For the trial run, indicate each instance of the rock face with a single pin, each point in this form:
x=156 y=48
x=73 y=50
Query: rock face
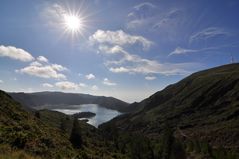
x=49 y=100
x=203 y=106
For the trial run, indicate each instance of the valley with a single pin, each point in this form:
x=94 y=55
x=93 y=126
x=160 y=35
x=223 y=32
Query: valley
x=195 y=118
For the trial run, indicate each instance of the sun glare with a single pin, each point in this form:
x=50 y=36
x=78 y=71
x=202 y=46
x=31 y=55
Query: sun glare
x=73 y=23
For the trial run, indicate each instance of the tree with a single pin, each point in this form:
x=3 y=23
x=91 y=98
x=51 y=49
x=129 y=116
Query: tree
x=64 y=126
x=75 y=137
x=37 y=114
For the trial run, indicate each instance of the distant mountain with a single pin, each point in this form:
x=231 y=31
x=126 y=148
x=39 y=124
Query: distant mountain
x=48 y=100
x=202 y=112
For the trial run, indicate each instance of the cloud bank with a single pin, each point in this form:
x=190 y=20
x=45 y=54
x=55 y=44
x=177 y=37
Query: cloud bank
x=113 y=42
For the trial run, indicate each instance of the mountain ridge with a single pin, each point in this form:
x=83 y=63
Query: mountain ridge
x=44 y=100
x=203 y=106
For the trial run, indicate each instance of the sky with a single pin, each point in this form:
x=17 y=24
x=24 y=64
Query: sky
x=127 y=49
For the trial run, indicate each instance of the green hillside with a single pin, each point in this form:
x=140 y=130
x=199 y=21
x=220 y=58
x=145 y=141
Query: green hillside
x=20 y=130
x=200 y=109
x=47 y=134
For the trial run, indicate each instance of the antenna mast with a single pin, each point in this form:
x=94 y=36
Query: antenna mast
x=232 y=59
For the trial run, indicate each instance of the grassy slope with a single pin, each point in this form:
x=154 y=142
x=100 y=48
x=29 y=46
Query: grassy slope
x=21 y=130
x=94 y=145
x=46 y=134
x=203 y=106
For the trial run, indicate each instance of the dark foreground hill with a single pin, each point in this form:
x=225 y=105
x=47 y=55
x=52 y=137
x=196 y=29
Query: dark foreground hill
x=198 y=115
x=48 y=100
x=48 y=135
x=22 y=131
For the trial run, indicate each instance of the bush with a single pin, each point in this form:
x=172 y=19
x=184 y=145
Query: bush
x=75 y=137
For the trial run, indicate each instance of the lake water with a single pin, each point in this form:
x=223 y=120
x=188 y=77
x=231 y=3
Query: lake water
x=102 y=114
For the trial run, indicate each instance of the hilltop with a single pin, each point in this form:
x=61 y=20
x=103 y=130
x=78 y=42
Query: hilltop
x=202 y=108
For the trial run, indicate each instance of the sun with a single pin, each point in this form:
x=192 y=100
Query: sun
x=73 y=23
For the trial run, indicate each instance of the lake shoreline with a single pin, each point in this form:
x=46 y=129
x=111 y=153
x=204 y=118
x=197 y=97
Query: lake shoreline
x=101 y=116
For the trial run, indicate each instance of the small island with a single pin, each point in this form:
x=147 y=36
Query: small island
x=84 y=115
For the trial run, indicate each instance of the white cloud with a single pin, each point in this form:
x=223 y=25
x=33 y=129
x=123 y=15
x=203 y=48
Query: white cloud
x=150 y=78
x=1 y=82
x=66 y=85
x=118 y=37
x=169 y=20
x=42 y=71
x=125 y=55
x=47 y=85
x=111 y=44
x=138 y=23
x=94 y=88
x=90 y=76
x=54 y=14
x=110 y=50
x=207 y=33
x=141 y=15
x=107 y=82
x=15 y=53
x=35 y=63
x=144 y=5
x=153 y=67
x=119 y=70
x=82 y=85
x=42 y=59
x=130 y=63
x=180 y=50
x=168 y=23
x=58 y=67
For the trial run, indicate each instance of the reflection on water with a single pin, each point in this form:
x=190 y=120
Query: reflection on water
x=102 y=114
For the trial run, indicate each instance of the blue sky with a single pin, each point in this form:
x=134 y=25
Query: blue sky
x=126 y=49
